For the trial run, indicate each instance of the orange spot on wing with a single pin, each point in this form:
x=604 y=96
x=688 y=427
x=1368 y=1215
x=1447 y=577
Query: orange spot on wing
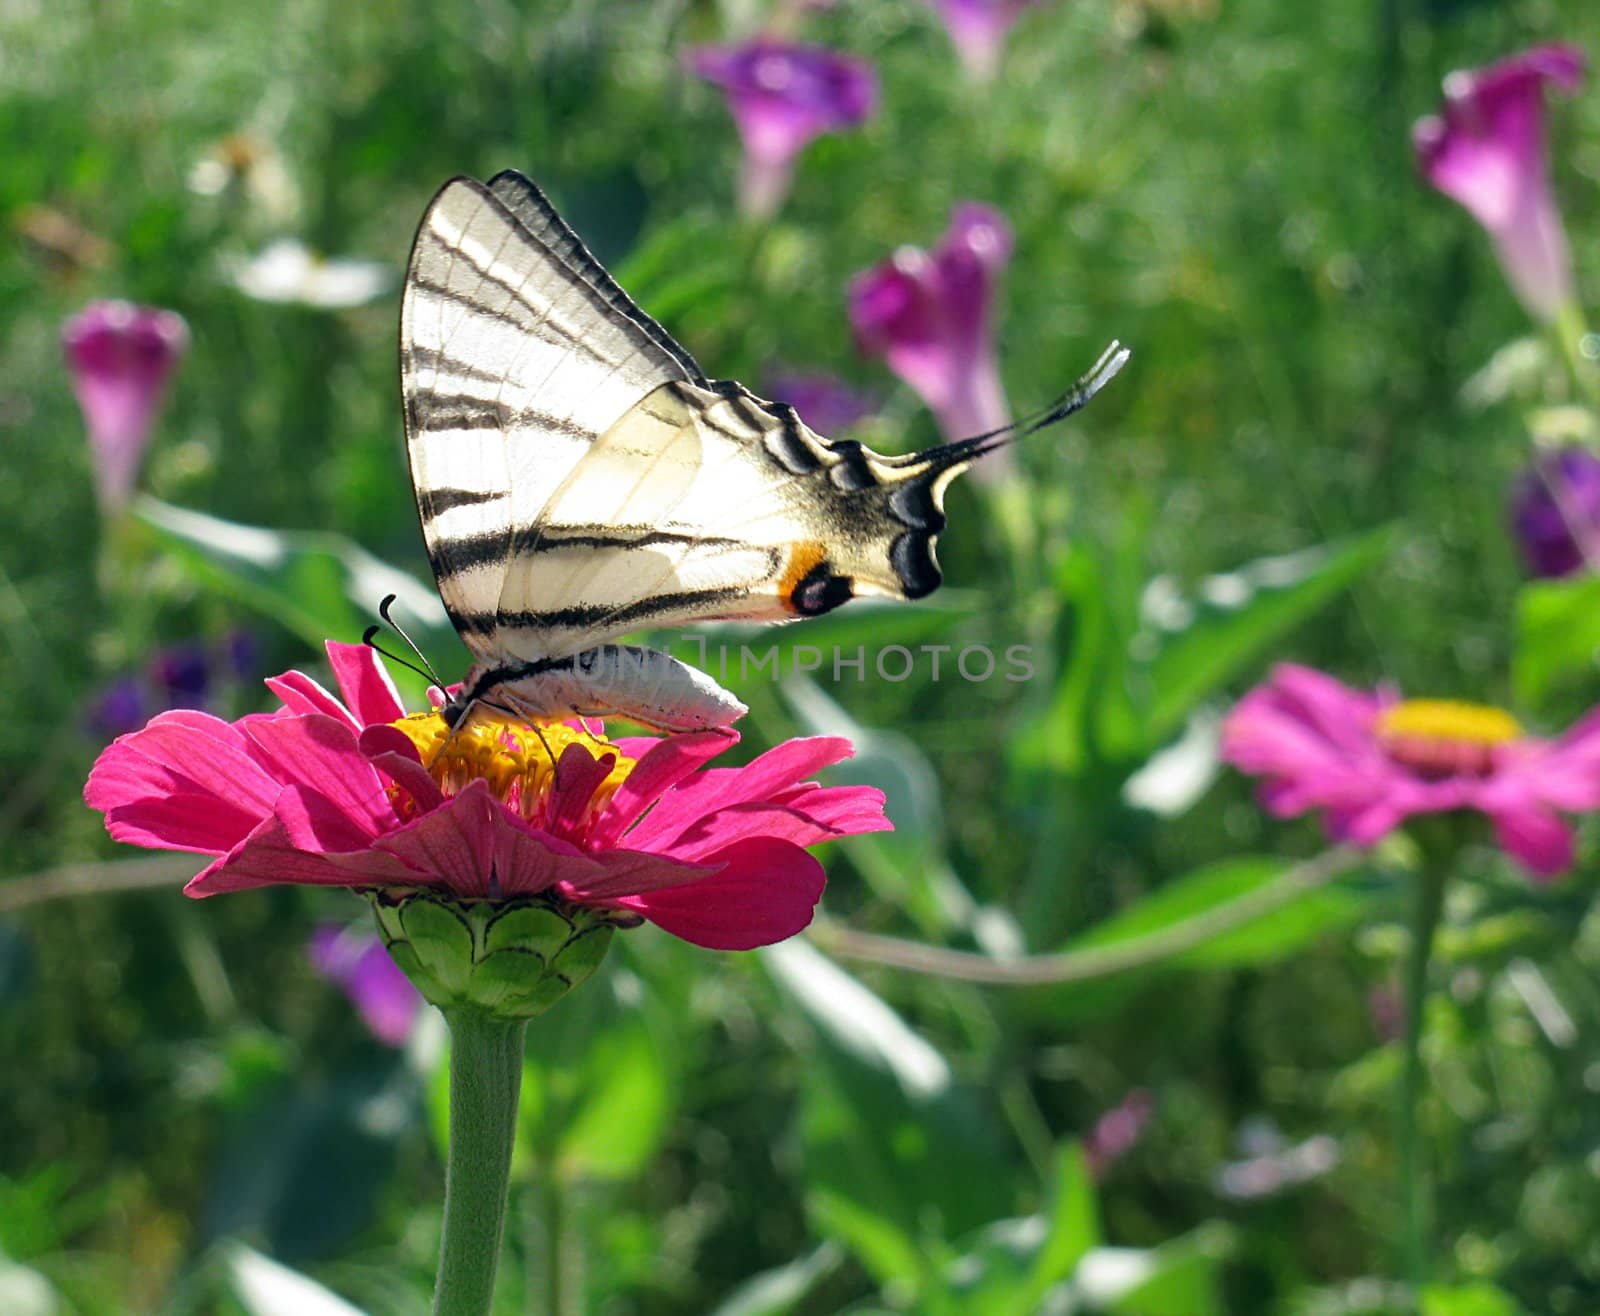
x=804 y=558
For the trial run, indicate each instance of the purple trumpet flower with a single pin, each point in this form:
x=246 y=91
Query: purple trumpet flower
x=826 y=403
x=1555 y=513
x=358 y=962
x=1487 y=150
x=928 y=315
x=978 y=30
x=783 y=95
x=121 y=357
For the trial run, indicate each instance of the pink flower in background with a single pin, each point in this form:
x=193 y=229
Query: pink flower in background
x=782 y=95
x=979 y=28
x=121 y=357
x=359 y=963
x=825 y=403
x=1369 y=761
x=1555 y=513
x=1487 y=151
x=331 y=793
x=929 y=315
x=1115 y=1132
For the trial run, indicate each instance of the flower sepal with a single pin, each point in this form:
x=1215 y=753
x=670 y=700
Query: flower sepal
x=512 y=959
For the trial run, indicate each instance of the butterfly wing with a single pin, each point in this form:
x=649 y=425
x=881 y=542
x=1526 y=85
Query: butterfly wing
x=518 y=352
x=577 y=477
x=706 y=503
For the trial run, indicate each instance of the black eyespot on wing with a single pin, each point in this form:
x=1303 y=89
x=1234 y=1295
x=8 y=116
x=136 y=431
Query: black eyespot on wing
x=821 y=591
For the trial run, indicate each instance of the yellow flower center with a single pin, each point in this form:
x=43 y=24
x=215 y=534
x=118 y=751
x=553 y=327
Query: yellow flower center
x=517 y=760
x=1445 y=737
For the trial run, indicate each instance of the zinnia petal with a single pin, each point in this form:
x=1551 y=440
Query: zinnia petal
x=1536 y=837
x=480 y=850
x=365 y=683
x=661 y=765
x=320 y=754
x=720 y=788
x=182 y=751
x=766 y=891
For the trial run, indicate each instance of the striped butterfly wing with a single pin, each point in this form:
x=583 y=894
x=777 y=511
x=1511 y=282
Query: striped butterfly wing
x=517 y=353
x=578 y=477
x=705 y=502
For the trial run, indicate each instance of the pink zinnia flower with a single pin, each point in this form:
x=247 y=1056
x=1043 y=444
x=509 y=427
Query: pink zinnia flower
x=782 y=95
x=928 y=314
x=361 y=964
x=1369 y=761
x=978 y=29
x=1487 y=150
x=121 y=357
x=358 y=794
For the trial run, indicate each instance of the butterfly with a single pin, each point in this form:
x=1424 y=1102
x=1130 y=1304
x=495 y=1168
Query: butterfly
x=579 y=477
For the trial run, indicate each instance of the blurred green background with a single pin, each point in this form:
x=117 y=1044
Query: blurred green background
x=1225 y=185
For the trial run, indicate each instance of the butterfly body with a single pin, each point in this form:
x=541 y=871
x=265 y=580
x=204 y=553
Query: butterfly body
x=644 y=685
x=578 y=477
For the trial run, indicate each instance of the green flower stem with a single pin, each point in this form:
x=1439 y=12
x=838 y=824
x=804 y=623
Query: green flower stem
x=485 y=1074
x=554 y=1204
x=1415 y=1194
x=1570 y=329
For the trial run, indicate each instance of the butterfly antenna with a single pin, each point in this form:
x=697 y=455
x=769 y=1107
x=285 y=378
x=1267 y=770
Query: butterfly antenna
x=398 y=629
x=367 y=638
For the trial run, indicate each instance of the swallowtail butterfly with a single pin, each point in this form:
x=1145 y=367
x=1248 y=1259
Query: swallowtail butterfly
x=579 y=477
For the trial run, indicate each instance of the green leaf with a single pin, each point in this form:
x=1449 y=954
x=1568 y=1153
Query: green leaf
x=1480 y=1299
x=600 y=1085
x=778 y=1291
x=898 y=1158
x=268 y=1288
x=1063 y=739
x=1557 y=637
x=881 y=1245
x=1207 y=892
x=1238 y=616
x=1181 y=1278
x=320 y=586
x=627 y=1105
x=1074 y=1220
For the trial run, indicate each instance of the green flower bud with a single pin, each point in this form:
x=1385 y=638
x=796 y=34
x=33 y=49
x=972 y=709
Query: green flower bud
x=512 y=959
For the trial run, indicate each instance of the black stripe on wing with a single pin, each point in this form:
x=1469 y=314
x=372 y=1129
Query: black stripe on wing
x=466 y=552
x=522 y=198
x=582 y=616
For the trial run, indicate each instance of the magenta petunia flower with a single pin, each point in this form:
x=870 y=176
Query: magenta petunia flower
x=827 y=404
x=782 y=95
x=1555 y=513
x=978 y=29
x=928 y=314
x=1369 y=761
x=1487 y=151
x=358 y=794
x=121 y=357
x=360 y=964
